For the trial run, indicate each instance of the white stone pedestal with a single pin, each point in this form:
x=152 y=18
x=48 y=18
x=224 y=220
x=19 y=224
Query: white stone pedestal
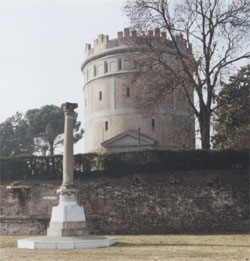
x=67 y=219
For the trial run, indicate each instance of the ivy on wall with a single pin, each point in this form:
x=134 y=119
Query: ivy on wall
x=119 y=164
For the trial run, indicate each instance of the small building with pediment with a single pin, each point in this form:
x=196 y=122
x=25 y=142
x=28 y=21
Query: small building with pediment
x=129 y=140
x=112 y=121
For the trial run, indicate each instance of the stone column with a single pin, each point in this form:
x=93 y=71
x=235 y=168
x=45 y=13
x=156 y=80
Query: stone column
x=68 y=218
x=68 y=163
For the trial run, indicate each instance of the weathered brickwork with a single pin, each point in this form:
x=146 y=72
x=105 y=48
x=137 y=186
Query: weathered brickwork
x=173 y=202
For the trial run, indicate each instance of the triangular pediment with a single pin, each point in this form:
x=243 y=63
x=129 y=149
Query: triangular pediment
x=129 y=138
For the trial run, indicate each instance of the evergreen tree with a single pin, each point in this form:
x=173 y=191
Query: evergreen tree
x=232 y=116
x=38 y=131
x=46 y=125
x=14 y=137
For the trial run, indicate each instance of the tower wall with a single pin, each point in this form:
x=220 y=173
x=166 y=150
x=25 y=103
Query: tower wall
x=111 y=117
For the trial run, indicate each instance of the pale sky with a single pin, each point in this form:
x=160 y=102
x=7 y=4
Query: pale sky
x=42 y=48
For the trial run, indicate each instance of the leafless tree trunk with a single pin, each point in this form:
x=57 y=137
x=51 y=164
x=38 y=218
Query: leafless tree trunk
x=217 y=36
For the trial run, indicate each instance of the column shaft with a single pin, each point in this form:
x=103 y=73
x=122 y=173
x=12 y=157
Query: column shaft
x=68 y=150
x=68 y=156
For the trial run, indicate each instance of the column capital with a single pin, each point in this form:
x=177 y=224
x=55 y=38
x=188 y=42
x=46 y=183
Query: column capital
x=69 y=107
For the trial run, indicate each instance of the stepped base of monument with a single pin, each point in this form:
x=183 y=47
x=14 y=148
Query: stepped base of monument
x=67 y=229
x=47 y=242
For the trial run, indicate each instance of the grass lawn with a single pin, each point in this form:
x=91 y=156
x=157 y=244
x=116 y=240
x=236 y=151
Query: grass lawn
x=144 y=247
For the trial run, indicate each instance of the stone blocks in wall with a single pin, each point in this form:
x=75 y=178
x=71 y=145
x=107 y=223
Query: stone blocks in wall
x=158 y=203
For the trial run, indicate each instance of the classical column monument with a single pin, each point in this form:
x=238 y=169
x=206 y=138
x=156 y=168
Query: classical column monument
x=67 y=218
x=67 y=228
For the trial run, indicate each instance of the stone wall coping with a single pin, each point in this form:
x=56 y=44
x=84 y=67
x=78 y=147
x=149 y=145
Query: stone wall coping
x=45 y=217
x=18 y=187
x=30 y=217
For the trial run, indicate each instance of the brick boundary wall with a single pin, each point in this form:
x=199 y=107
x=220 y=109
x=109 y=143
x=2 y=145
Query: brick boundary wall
x=181 y=202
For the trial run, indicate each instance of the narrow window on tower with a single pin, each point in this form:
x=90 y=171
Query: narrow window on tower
x=153 y=124
x=94 y=71
x=100 y=96
x=106 y=125
x=128 y=91
x=119 y=64
x=105 y=67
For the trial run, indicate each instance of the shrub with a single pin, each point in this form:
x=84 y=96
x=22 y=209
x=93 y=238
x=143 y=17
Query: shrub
x=118 y=164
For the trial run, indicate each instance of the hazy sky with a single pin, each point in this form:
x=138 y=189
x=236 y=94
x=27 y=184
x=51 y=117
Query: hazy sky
x=42 y=47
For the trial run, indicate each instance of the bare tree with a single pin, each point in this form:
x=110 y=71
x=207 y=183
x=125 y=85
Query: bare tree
x=216 y=34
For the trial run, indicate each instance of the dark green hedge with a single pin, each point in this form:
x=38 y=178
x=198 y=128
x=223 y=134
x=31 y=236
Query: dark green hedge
x=118 y=164
x=31 y=167
x=159 y=160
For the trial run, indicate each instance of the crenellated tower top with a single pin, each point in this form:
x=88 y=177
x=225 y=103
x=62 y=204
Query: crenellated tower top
x=129 y=37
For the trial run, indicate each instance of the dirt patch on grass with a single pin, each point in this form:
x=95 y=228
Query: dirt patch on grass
x=144 y=247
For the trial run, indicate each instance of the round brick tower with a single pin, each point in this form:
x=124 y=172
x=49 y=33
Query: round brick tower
x=112 y=121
